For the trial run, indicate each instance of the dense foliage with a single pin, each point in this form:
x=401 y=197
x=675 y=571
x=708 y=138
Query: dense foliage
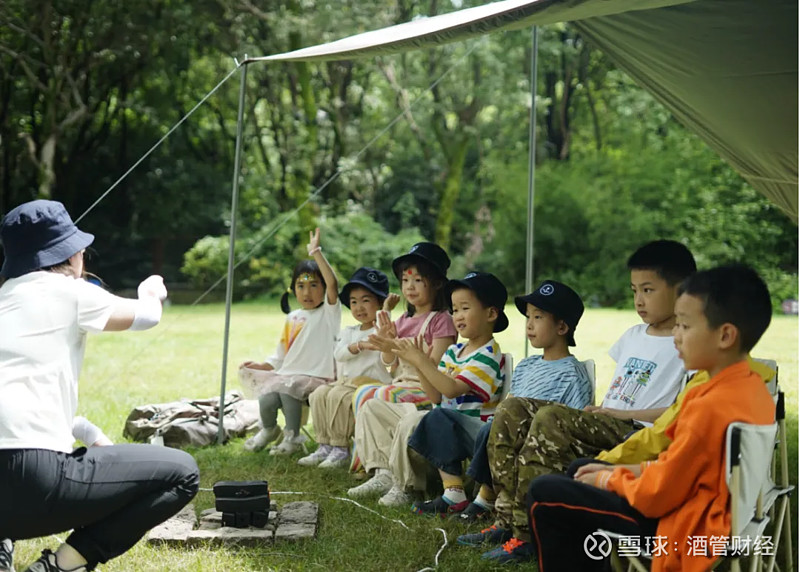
x=87 y=89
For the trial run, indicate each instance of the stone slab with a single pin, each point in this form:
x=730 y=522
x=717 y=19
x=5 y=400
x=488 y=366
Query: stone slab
x=295 y=532
x=227 y=536
x=300 y=512
x=176 y=529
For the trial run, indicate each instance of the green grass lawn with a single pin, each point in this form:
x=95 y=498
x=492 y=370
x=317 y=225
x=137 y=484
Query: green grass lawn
x=182 y=358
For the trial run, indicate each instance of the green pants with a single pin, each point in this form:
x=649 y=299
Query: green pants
x=530 y=438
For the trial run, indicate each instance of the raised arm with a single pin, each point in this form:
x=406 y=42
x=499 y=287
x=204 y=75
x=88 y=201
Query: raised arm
x=315 y=251
x=141 y=314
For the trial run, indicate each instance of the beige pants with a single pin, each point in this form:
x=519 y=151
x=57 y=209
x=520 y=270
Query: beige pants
x=382 y=432
x=332 y=411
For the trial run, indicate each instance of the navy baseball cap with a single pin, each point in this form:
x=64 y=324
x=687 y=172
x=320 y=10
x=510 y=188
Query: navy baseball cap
x=373 y=280
x=489 y=290
x=39 y=234
x=558 y=299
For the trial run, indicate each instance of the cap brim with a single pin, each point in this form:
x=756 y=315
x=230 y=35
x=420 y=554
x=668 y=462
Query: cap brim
x=414 y=256
x=14 y=267
x=344 y=295
x=501 y=323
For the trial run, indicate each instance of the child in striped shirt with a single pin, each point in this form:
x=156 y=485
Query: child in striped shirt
x=467 y=384
x=553 y=311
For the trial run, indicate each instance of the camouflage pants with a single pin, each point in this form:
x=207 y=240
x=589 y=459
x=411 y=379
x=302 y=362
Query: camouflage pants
x=530 y=438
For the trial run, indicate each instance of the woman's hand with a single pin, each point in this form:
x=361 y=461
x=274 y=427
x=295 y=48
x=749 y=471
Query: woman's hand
x=152 y=287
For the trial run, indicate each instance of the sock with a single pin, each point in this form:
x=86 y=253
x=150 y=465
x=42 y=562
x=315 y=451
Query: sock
x=68 y=558
x=486 y=497
x=382 y=472
x=453 y=490
x=324 y=450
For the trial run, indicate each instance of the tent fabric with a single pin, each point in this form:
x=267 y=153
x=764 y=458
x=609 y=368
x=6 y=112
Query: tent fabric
x=727 y=69
x=464 y=24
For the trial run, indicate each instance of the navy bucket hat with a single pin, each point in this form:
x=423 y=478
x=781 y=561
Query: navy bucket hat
x=373 y=280
x=37 y=235
x=429 y=252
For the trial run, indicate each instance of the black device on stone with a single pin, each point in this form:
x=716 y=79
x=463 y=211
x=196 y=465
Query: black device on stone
x=242 y=503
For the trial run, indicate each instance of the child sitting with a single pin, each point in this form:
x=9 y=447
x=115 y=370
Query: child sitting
x=356 y=364
x=304 y=358
x=721 y=314
x=422 y=273
x=553 y=311
x=467 y=381
x=646 y=381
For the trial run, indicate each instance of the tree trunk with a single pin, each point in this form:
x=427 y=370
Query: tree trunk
x=450 y=191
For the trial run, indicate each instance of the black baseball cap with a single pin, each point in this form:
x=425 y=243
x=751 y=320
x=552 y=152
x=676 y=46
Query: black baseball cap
x=558 y=299
x=489 y=290
x=373 y=280
x=429 y=252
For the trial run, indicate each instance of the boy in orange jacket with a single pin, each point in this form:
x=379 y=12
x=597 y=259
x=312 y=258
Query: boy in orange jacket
x=721 y=314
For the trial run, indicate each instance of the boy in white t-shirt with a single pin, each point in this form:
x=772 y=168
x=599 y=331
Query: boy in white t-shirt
x=646 y=381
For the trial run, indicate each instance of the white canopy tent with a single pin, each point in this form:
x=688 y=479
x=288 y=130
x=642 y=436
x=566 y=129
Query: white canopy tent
x=727 y=69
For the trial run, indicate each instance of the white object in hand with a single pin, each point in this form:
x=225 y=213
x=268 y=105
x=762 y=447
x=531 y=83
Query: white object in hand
x=152 y=287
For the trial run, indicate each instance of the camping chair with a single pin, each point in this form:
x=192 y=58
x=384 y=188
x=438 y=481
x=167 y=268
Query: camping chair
x=748 y=450
x=591 y=372
x=508 y=370
x=777 y=491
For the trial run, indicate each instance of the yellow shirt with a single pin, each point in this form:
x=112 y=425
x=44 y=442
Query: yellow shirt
x=647 y=443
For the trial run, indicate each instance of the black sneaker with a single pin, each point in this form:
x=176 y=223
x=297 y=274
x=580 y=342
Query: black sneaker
x=6 y=555
x=473 y=513
x=47 y=563
x=439 y=507
x=492 y=535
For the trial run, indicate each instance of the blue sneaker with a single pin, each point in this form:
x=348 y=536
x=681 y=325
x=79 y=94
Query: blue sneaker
x=515 y=551
x=492 y=535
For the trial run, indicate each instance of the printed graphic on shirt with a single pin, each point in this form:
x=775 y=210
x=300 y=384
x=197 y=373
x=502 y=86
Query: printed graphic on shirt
x=626 y=387
x=292 y=329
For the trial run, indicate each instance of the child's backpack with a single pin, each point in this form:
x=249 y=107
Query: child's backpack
x=191 y=422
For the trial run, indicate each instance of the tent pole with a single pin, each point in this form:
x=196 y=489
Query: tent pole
x=531 y=167
x=229 y=286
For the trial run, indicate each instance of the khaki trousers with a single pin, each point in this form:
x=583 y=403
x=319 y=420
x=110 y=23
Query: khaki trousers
x=382 y=432
x=332 y=411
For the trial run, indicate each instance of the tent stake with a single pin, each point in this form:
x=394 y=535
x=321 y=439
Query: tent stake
x=229 y=285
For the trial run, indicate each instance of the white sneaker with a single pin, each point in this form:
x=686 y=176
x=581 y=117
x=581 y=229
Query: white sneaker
x=291 y=444
x=396 y=497
x=316 y=457
x=339 y=457
x=263 y=438
x=377 y=485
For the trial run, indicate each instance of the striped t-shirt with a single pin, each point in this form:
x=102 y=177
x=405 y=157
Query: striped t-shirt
x=561 y=380
x=482 y=371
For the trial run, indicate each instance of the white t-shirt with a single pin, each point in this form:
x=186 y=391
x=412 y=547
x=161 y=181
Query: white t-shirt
x=367 y=363
x=648 y=372
x=307 y=341
x=45 y=317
